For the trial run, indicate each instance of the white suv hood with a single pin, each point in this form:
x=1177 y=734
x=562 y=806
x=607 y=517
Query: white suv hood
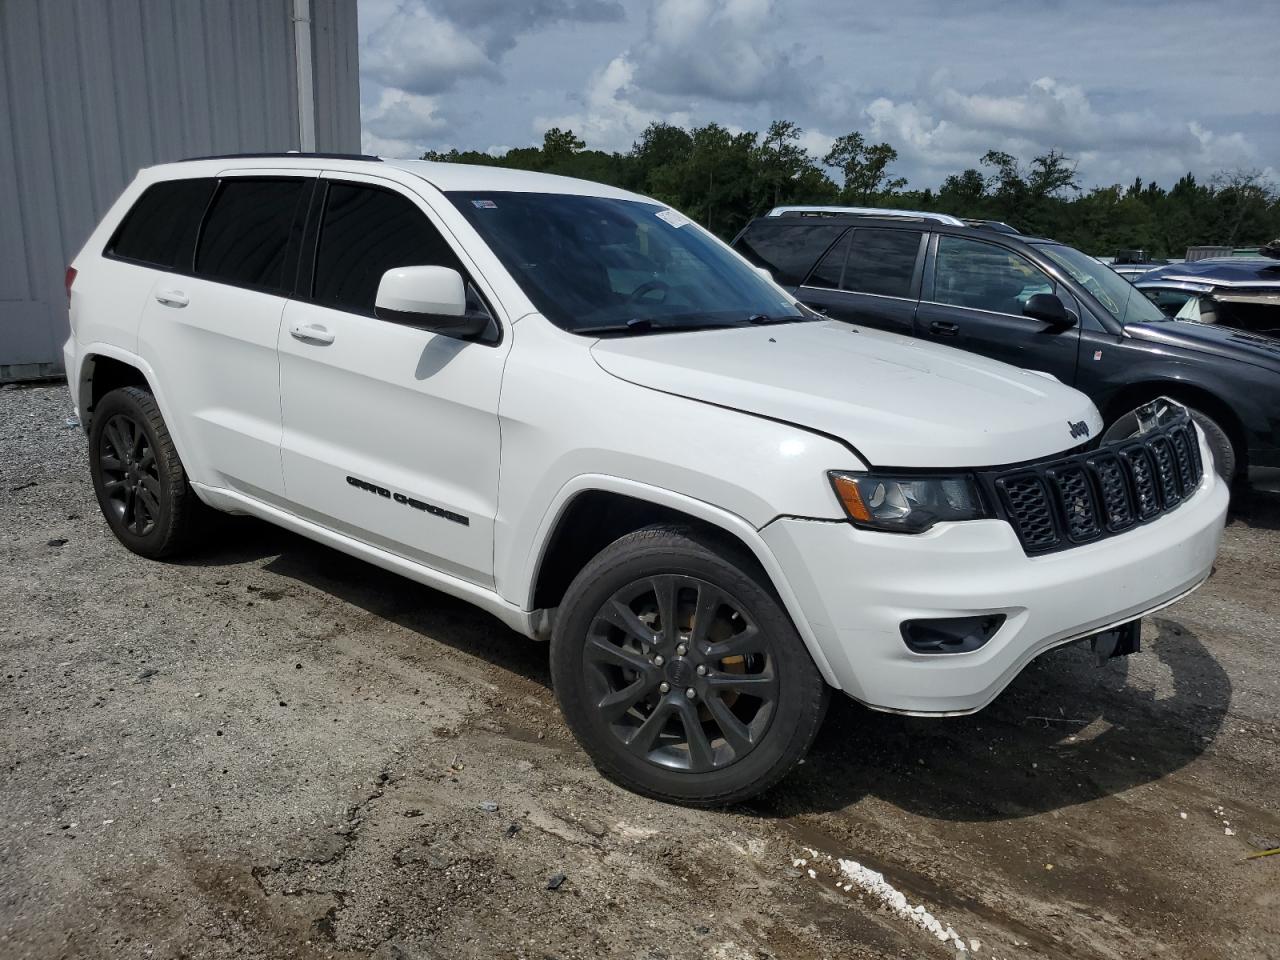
x=897 y=401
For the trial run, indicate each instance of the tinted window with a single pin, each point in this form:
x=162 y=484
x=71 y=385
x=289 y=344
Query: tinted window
x=882 y=262
x=830 y=271
x=161 y=228
x=785 y=248
x=623 y=265
x=985 y=277
x=365 y=233
x=245 y=235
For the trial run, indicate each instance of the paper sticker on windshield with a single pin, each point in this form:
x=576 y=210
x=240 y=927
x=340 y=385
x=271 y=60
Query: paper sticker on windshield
x=673 y=218
x=484 y=204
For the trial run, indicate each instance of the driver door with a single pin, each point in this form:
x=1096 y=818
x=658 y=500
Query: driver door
x=390 y=433
x=973 y=296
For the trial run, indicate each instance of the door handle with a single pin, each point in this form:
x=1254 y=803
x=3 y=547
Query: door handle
x=172 y=298
x=940 y=328
x=310 y=332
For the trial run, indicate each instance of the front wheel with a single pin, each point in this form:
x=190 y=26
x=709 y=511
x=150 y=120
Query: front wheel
x=679 y=672
x=1224 y=453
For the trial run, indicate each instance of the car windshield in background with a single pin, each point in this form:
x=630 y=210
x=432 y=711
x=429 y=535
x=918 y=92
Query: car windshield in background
x=598 y=264
x=1120 y=297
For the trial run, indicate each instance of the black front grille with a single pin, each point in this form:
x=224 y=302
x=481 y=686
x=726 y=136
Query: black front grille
x=1096 y=494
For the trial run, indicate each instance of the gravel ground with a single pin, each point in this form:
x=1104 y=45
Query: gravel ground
x=271 y=750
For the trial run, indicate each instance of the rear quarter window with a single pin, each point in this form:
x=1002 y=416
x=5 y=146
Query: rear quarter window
x=160 y=228
x=785 y=248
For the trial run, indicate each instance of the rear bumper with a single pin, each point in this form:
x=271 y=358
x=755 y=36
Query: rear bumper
x=856 y=587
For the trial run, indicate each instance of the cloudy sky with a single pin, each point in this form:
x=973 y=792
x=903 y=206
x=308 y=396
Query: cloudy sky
x=1151 y=88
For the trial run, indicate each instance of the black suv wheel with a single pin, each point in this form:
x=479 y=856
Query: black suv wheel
x=137 y=476
x=680 y=673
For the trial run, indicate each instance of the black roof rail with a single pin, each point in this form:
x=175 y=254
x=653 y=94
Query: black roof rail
x=295 y=154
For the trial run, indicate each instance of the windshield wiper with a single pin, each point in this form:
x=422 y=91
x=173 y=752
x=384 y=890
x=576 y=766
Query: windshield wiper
x=638 y=325
x=763 y=319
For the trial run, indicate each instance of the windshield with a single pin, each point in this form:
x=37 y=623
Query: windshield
x=596 y=264
x=1120 y=297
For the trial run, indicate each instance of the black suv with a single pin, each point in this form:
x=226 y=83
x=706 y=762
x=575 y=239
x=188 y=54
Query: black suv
x=1033 y=303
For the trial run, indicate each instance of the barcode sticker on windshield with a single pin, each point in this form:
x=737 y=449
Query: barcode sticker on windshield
x=673 y=218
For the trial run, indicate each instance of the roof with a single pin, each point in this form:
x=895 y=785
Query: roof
x=444 y=176
x=1218 y=272
x=467 y=176
x=885 y=212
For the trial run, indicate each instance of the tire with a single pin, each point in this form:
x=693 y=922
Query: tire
x=141 y=485
x=1224 y=452
x=755 y=709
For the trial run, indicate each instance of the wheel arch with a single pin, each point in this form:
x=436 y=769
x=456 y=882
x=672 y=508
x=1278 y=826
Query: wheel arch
x=592 y=512
x=1203 y=399
x=103 y=368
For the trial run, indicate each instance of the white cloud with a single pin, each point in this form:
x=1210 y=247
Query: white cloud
x=401 y=124
x=417 y=51
x=944 y=129
x=721 y=49
x=609 y=118
x=492 y=71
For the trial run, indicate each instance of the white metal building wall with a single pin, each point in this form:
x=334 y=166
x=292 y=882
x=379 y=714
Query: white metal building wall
x=93 y=90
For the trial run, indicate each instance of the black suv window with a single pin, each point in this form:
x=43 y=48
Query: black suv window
x=246 y=232
x=367 y=231
x=869 y=260
x=160 y=229
x=882 y=262
x=983 y=276
x=785 y=248
x=830 y=269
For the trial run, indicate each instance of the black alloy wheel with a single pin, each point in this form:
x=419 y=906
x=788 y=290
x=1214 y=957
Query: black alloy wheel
x=678 y=673
x=130 y=475
x=139 y=480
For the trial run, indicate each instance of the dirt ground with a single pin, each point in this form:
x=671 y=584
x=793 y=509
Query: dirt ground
x=271 y=750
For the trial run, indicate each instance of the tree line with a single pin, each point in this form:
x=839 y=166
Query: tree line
x=724 y=179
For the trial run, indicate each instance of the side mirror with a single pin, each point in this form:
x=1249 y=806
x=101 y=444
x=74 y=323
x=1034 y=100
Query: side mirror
x=1049 y=308
x=429 y=298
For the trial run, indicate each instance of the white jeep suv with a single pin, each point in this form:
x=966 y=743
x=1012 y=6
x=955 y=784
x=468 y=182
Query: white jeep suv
x=577 y=409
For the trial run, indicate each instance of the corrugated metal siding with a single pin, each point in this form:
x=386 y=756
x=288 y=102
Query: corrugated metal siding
x=336 y=58
x=92 y=91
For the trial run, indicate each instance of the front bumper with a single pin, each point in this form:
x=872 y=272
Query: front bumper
x=855 y=587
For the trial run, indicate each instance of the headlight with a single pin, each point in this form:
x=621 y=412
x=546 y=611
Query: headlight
x=907 y=504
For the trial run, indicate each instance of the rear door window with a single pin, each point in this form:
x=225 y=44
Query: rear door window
x=829 y=273
x=367 y=231
x=160 y=229
x=983 y=276
x=786 y=248
x=246 y=232
x=882 y=262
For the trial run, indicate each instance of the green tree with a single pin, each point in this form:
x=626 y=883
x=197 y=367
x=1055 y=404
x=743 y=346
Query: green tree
x=781 y=160
x=864 y=168
x=723 y=179
x=560 y=144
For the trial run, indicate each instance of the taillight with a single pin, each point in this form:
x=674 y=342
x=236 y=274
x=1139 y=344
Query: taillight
x=71 y=278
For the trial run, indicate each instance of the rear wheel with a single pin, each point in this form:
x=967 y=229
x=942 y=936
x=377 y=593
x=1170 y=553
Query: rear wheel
x=141 y=485
x=1224 y=453
x=680 y=673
